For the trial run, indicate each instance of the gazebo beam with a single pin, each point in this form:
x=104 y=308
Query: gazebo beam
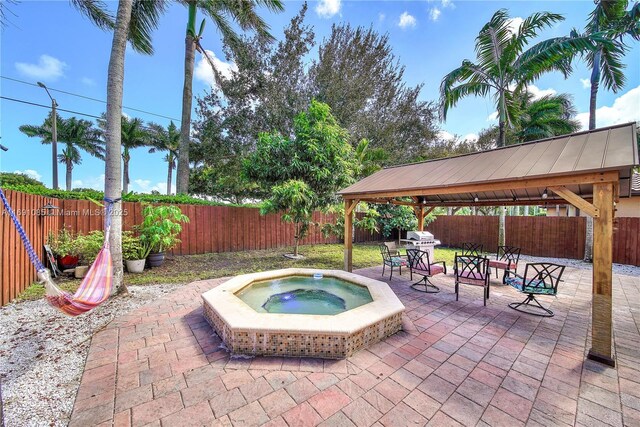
x=601 y=307
x=576 y=201
x=515 y=184
x=524 y=202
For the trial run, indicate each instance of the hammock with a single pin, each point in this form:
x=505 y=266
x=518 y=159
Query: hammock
x=95 y=287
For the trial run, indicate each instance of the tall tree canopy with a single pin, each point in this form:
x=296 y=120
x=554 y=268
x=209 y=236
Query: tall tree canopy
x=303 y=173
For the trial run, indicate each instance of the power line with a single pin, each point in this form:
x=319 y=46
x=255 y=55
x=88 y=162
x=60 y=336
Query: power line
x=48 y=107
x=90 y=98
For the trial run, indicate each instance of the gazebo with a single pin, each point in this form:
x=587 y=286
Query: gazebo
x=590 y=170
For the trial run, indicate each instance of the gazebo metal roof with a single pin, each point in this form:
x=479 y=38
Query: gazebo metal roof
x=454 y=181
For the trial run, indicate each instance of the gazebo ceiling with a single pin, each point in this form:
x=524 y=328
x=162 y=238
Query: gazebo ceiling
x=516 y=174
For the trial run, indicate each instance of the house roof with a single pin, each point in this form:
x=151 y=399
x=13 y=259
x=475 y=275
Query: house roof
x=612 y=148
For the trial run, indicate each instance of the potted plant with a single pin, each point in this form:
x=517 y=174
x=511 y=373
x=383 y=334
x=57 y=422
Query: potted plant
x=62 y=246
x=134 y=252
x=87 y=247
x=159 y=230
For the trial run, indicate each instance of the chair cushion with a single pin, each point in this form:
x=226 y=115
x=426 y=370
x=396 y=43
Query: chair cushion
x=397 y=262
x=532 y=286
x=435 y=269
x=472 y=278
x=501 y=264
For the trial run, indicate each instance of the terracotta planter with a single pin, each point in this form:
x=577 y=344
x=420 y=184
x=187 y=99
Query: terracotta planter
x=135 y=266
x=81 y=271
x=67 y=262
x=155 y=260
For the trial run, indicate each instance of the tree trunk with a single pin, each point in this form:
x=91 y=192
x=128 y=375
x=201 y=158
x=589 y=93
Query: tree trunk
x=113 y=158
x=125 y=174
x=595 y=84
x=169 y=177
x=69 y=165
x=502 y=118
x=182 y=176
x=296 y=241
x=501 y=228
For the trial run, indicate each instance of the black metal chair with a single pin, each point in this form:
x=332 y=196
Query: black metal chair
x=391 y=261
x=420 y=264
x=473 y=249
x=540 y=278
x=471 y=270
x=507 y=259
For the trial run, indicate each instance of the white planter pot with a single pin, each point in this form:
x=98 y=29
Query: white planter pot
x=135 y=266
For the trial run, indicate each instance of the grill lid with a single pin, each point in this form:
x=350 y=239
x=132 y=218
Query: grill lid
x=419 y=235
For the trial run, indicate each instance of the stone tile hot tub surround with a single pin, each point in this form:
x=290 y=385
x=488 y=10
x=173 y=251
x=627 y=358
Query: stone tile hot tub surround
x=245 y=331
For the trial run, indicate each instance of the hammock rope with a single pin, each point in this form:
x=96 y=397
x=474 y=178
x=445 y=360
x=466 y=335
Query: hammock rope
x=96 y=285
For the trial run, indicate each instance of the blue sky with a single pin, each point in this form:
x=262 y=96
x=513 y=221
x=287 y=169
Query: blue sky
x=50 y=42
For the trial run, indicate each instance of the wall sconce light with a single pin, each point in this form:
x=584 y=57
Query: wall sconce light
x=475 y=199
x=545 y=194
x=48 y=210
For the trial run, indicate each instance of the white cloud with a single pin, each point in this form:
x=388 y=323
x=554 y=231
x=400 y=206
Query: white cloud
x=204 y=73
x=447 y=3
x=147 y=186
x=492 y=117
x=95 y=182
x=434 y=14
x=328 y=8
x=407 y=21
x=30 y=173
x=470 y=137
x=514 y=24
x=87 y=81
x=586 y=83
x=539 y=93
x=625 y=109
x=445 y=136
x=381 y=17
x=48 y=68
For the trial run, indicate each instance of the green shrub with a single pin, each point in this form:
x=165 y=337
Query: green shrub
x=87 y=246
x=62 y=243
x=8 y=179
x=133 y=248
x=160 y=227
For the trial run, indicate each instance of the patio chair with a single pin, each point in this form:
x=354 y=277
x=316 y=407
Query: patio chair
x=420 y=264
x=507 y=259
x=391 y=261
x=540 y=278
x=471 y=270
x=393 y=248
x=474 y=249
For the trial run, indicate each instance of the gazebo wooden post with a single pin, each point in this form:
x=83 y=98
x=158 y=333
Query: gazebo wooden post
x=349 y=206
x=601 y=315
x=420 y=214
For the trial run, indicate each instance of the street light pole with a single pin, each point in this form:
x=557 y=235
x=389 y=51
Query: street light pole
x=54 y=137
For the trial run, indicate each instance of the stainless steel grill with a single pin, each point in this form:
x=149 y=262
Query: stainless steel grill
x=422 y=240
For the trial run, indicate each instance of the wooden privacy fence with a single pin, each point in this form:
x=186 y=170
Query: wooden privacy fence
x=211 y=229
x=561 y=237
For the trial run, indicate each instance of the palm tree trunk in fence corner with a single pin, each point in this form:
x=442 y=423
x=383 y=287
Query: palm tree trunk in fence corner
x=169 y=178
x=113 y=158
x=69 y=165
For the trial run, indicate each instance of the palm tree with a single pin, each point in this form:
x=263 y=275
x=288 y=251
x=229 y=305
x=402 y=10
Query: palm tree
x=505 y=68
x=221 y=12
x=133 y=135
x=77 y=134
x=611 y=19
x=549 y=116
x=166 y=140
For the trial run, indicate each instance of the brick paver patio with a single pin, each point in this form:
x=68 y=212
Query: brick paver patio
x=455 y=363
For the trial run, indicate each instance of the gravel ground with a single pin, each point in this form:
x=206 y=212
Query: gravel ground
x=42 y=352
x=42 y=355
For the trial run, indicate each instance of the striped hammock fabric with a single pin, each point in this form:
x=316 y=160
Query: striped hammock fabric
x=97 y=284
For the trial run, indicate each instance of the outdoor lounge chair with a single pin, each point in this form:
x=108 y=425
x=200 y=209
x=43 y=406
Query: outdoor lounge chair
x=393 y=248
x=539 y=279
x=474 y=249
x=471 y=270
x=391 y=261
x=420 y=264
x=507 y=259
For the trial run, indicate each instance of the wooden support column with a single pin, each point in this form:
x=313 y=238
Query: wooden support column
x=601 y=314
x=349 y=206
x=420 y=215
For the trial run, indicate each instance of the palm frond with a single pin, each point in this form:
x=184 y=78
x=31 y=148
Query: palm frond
x=96 y=11
x=612 y=67
x=145 y=16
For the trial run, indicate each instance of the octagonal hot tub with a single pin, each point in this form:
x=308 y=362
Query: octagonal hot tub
x=302 y=312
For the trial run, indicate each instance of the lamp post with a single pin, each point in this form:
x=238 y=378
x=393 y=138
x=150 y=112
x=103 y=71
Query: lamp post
x=54 y=137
